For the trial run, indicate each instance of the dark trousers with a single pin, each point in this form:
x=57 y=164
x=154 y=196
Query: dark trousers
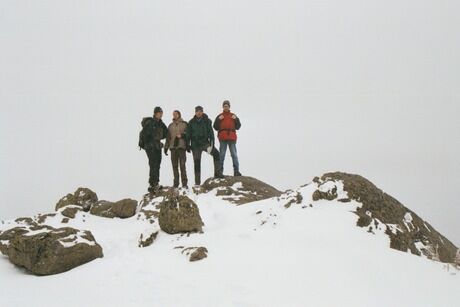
x=197 y=162
x=178 y=159
x=154 y=156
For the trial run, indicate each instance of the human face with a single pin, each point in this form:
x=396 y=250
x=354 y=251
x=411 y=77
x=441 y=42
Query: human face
x=175 y=115
x=199 y=114
x=158 y=115
x=226 y=108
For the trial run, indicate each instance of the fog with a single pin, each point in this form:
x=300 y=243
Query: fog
x=367 y=87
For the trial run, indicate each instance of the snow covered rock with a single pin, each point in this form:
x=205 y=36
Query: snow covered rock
x=44 y=250
x=378 y=210
x=240 y=190
x=179 y=214
x=82 y=197
x=124 y=208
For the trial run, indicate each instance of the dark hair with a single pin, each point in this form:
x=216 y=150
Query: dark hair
x=226 y=102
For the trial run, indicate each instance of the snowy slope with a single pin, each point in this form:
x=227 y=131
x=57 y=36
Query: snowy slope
x=260 y=254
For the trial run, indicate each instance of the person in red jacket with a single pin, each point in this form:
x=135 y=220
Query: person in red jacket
x=226 y=124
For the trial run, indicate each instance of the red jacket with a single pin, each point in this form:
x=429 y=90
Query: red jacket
x=227 y=126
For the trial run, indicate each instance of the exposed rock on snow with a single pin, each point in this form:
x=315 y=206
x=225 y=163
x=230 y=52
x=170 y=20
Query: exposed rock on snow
x=407 y=231
x=145 y=241
x=179 y=214
x=71 y=210
x=44 y=250
x=240 y=190
x=82 y=197
x=125 y=208
x=195 y=253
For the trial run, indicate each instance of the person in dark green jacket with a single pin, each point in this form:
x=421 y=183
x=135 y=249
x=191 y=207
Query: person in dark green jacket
x=153 y=131
x=200 y=137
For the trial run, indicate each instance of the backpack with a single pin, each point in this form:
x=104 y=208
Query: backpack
x=146 y=132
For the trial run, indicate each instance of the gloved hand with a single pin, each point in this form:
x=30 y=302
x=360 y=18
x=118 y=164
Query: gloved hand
x=189 y=148
x=166 y=151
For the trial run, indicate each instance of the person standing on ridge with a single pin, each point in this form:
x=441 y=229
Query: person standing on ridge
x=200 y=137
x=226 y=124
x=153 y=131
x=175 y=142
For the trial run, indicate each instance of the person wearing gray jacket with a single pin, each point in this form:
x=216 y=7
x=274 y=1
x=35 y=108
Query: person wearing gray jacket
x=176 y=143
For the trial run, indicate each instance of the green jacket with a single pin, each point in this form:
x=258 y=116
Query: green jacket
x=199 y=132
x=153 y=131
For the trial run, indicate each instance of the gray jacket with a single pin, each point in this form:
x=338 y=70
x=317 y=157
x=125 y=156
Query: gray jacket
x=177 y=127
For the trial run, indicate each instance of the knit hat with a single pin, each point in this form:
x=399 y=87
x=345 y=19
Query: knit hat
x=157 y=110
x=226 y=102
x=199 y=108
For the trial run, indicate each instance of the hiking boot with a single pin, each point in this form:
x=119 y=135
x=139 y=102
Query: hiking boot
x=237 y=174
x=218 y=175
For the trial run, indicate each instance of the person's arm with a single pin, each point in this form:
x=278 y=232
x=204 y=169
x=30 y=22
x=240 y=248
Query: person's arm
x=165 y=130
x=210 y=132
x=168 y=140
x=188 y=135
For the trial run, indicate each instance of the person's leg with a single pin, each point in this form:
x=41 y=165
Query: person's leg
x=234 y=154
x=223 y=152
x=175 y=165
x=149 y=153
x=197 y=165
x=215 y=155
x=183 y=170
x=156 y=166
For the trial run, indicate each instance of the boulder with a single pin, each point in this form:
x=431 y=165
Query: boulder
x=82 y=197
x=240 y=190
x=124 y=208
x=179 y=214
x=406 y=230
x=44 y=250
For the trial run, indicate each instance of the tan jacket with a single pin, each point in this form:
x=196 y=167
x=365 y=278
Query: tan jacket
x=177 y=127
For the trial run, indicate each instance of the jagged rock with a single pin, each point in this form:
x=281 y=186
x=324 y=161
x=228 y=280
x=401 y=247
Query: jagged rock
x=240 y=190
x=407 y=231
x=71 y=210
x=291 y=197
x=195 y=253
x=124 y=208
x=149 y=240
x=44 y=250
x=41 y=218
x=179 y=214
x=82 y=197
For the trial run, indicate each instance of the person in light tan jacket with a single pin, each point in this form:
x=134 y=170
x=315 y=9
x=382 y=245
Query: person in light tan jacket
x=175 y=142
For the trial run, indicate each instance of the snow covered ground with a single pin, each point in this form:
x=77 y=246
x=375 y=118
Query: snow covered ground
x=260 y=254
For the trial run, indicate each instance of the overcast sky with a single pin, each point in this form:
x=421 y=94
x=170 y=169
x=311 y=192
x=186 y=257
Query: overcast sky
x=367 y=87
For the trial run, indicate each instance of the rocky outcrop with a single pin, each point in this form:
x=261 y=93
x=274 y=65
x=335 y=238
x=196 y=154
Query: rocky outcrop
x=407 y=231
x=125 y=208
x=240 y=190
x=71 y=210
x=82 y=197
x=179 y=214
x=44 y=250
